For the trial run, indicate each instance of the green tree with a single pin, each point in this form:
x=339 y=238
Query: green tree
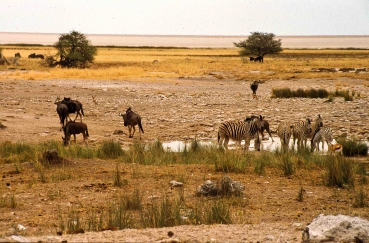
x=74 y=50
x=259 y=44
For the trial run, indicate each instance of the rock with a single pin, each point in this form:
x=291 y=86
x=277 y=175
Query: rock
x=339 y=228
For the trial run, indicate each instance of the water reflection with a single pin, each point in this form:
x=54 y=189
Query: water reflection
x=268 y=145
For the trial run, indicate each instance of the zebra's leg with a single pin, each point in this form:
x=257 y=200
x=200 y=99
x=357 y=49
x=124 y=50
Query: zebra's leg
x=226 y=140
x=247 y=143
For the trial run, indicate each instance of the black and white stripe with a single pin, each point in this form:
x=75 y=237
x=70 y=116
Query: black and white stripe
x=324 y=134
x=284 y=132
x=301 y=131
x=238 y=131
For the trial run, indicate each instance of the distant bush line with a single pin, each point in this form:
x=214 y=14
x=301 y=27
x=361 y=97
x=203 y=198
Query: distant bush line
x=312 y=93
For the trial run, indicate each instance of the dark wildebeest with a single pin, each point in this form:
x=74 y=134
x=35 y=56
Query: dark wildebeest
x=259 y=58
x=254 y=86
x=63 y=113
x=74 y=106
x=17 y=55
x=263 y=126
x=40 y=56
x=34 y=55
x=73 y=128
x=132 y=119
x=252 y=59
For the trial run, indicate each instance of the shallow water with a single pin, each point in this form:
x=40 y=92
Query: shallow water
x=268 y=145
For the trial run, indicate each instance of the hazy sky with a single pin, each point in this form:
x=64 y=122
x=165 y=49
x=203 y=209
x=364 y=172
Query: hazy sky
x=187 y=17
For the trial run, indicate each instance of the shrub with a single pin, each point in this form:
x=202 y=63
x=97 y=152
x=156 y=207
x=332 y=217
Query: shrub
x=353 y=147
x=339 y=171
x=110 y=149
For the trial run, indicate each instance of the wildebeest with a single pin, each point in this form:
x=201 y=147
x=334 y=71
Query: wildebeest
x=63 y=113
x=74 y=106
x=34 y=55
x=17 y=55
x=254 y=86
x=73 y=128
x=259 y=58
x=132 y=119
x=252 y=59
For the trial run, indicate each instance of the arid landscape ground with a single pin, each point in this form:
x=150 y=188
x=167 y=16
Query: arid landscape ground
x=172 y=110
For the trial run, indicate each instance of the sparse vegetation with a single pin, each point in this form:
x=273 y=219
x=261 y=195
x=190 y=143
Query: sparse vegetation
x=312 y=93
x=353 y=147
x=121 y=63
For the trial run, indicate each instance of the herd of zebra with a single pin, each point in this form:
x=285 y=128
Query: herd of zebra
x=300 y=131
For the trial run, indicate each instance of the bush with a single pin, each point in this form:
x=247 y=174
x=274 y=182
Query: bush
x=310 y=93
x=353 y=147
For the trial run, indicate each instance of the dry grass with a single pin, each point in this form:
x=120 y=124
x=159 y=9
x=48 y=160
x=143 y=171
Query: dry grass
x=139 y=63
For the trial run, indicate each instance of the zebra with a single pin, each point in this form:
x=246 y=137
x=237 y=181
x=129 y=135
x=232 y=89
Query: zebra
x=318 y=123
x=263 y=125
x=301 y=130
x=323 y=135
x=284 y=132
x=238 y=131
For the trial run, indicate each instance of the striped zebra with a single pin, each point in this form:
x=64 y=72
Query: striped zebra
x=301 y=131
x=318 y=123
x=323 y=135
x=238 y=131
x=284 y=132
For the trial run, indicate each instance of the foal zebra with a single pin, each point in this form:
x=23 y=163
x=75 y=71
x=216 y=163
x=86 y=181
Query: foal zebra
x=238 y=131
x=301 y=131
x=284 y=132
x=323 y=135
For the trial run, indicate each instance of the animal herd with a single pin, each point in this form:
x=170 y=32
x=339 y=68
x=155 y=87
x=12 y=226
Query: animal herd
x=247 y=130
x=67 y=106
x=298 y=132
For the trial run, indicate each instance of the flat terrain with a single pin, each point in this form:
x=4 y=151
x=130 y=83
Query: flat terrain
x=172 y=110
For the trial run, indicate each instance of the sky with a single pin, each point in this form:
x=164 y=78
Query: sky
x=187 y=17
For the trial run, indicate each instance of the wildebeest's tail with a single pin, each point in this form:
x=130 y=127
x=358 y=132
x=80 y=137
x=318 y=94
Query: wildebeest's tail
x=87 y=132
x=139 y=124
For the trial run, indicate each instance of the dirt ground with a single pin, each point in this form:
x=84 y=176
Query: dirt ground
x=171 y=110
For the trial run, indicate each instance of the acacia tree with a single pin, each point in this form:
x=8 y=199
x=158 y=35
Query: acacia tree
x=259 y=44
x=74 y=50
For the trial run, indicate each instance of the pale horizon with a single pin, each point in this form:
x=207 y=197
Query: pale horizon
x=188 y=17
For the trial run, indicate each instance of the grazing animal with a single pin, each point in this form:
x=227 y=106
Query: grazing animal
x=335 y=148
x=73 y=128
x=263 y=125
x=17 y=55
x=94 y=100
x=238 y=131
x=259 y=58
x=63 y=113
x=254 y=86
x=252 y=59
x=74 y=106
x=301 y=130
x=40 y=56
x=34 y=55
x=132 y=119
x=324 y=134
x=284 y=132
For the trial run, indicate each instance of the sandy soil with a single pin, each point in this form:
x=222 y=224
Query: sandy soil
x=172 y=110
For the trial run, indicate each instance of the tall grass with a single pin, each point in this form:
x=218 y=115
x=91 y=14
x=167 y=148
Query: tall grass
x=121 y=63
x=312 y=93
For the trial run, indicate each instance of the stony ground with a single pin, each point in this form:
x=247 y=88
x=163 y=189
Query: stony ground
x=172 y=110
